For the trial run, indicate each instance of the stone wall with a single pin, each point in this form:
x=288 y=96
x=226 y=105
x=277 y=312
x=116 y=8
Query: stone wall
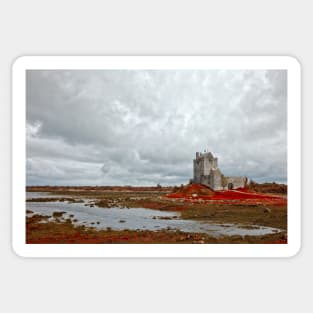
x=202 y=165
x=237 y=182
x=216 y=179
x=197 y=171
x=205 y=180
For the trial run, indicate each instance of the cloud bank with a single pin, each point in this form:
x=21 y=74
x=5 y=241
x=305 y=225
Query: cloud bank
x=128 y=127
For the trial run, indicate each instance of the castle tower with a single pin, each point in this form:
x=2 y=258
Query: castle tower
x=203 y=165
x=206 y=172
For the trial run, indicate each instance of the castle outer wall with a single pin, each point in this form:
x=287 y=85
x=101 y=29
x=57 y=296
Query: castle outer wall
x=236 y=182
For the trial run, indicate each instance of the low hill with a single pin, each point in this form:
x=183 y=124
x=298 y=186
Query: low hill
x=192 y=189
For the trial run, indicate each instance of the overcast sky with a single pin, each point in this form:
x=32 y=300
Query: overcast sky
x=103 y=127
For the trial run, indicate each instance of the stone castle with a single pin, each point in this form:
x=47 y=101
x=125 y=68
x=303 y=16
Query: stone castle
x=206 y=172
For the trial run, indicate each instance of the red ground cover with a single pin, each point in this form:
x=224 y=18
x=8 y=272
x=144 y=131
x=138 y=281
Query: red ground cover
x=198 y=192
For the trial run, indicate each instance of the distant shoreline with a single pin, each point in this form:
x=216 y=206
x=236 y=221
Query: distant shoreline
x=272 y=188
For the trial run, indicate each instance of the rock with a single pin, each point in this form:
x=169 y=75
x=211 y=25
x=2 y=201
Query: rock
x=58 y=214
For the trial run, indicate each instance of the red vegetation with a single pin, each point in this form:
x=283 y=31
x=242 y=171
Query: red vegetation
x=279 y=241
x=191 y=189
x=197 y=192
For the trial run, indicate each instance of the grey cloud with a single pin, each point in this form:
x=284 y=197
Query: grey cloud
x=143 y=127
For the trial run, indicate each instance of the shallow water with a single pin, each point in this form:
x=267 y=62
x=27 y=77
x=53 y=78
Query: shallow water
x=41 y=194
x=139 y=219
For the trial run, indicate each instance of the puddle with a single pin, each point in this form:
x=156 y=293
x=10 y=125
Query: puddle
x=138 y=219
x=41 y=194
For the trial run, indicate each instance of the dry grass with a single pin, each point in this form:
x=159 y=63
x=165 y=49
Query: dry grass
x=271 y=216
x=272 y=188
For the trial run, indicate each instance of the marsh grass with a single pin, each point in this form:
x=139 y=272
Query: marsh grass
x=67 y=233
